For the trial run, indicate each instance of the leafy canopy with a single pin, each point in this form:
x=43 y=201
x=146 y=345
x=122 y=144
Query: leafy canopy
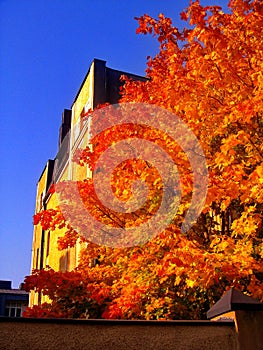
x=210 y=75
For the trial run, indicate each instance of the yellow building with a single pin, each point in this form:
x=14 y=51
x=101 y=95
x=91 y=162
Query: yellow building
x=100 y=85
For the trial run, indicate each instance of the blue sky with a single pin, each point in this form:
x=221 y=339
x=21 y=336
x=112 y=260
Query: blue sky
x=46 y=49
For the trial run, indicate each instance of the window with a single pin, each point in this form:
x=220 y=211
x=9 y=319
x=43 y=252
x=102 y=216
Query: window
x=48 y=243
x=40 y=202
x=37 y=257
x=14 y=308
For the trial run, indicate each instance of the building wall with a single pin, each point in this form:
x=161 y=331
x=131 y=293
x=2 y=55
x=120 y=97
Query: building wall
x=12 y=301
x=45 y=252
x=100 y=85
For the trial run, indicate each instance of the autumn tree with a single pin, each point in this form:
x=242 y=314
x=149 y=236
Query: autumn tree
x=210 y=76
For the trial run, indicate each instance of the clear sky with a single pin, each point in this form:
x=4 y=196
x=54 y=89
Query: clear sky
x=46 y=49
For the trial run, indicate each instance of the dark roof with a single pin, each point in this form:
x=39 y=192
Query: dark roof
x=102 y=64
x=13 y=291
x=234 y=300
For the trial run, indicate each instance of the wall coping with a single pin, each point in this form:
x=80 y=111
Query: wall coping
x=119 y=322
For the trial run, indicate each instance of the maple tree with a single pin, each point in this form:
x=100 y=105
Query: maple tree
x=210 y=75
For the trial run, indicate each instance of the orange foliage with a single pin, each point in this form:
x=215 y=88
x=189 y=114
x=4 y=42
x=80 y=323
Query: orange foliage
x=210 y=75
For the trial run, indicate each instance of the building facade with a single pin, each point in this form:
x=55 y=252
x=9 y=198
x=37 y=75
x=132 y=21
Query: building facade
x=12 y=301
x=101 y=85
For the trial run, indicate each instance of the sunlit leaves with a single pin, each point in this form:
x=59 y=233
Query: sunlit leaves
x=210 y=75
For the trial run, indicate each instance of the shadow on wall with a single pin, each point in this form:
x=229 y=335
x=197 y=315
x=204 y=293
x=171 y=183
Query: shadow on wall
x=46 y=334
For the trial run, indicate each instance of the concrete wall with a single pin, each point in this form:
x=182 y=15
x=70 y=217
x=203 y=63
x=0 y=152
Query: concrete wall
x=249 y=325
x=44 y=334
